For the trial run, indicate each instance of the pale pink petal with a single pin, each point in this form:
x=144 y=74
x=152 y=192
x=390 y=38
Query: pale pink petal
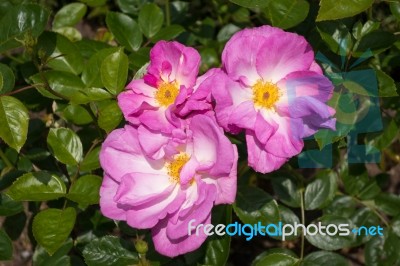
x=198 y=210
x=156 y=120
x=137 y=188
x=244 y=115
x=147 y=215
x=108 y=206
x=282 y=54
x=306 y=83
x=138 y=86
x=132 y=104
x=287 y=139
x=315 y=68
x=152 y=142
x=174 y=62
x=211 y=145
x=174 y=247
x=226 y=185
x=121 y=154
x=259 y=158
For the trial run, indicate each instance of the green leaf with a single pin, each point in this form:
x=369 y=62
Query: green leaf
x=386 y=85
x=333 y=241
x=341 y=205
x=218 y=247
x=59 y=258
x=396 y=225
x=388 y=136
x=336 y=36
x=287 y=13
x=91 y=72
x=109 y=250
x=226 y=32
x=347 y=116
x=151 y=19
x=37 y=186
x=336 y=9
x=109 y=115
x=288 y=217
x=395 y=9
x=6 y=247
x=367 y=218
x=65 y=145
x=7 y=79
x=360 y=30
x=168 y=33
x=67 y=84
x=280 y=259
x=251 y=3
x=98 y=94
x=382 y=250
x=13 y=122
x=268 y=252
x=52 y=227
x=60 y=53
x=71 y=33
x=91 y=160
x=253 y=205
x=77 y=114
x=287 y=189
x=131 y=6
x=125 y=30
x=14 y=225
x=242 y=15
x=388 y=203
x=324 y=258
x=354 y=184
x=321 y=191
x=114 y=72
x=20 y=20
x=94 y=3
x=69 y=15
x=85 y=190
x=369 y=43
x=9 y=207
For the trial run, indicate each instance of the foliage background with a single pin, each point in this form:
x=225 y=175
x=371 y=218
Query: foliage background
x=62 y=64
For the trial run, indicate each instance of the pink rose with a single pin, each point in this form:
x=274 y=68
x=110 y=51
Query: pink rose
x=196 y=171
x=274 y=91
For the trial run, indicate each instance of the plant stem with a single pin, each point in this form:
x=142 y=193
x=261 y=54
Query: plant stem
x=374 y=210
x=5 y=159
x=167 y=13
x=14 y=58
x=21 y=90
x=303 y=220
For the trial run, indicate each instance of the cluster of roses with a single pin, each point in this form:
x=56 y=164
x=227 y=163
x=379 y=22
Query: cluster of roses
x=172 y=162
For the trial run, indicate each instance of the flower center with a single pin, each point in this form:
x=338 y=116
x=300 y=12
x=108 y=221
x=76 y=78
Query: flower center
x=175 y=167
x=265 y=94
x=166 y=93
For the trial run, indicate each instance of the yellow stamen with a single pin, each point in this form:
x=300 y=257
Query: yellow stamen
x=174 y=168
x=166 y=93
x=265 y=94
